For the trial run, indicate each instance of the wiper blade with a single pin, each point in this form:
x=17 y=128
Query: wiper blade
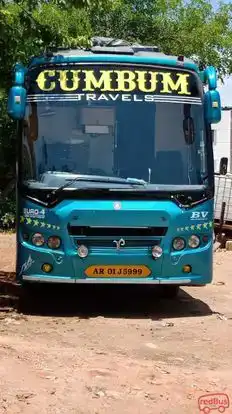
x=97 y=179
x=135 y=181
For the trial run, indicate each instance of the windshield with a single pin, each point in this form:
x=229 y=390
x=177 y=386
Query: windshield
x=147 y=136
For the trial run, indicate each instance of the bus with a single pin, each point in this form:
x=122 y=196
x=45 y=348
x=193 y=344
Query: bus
x=115 y=174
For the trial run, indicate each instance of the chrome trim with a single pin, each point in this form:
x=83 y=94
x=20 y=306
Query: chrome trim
x=119 y=243
x=118 y=281
x=175 y=282
x=108 y=281
x=48 y=279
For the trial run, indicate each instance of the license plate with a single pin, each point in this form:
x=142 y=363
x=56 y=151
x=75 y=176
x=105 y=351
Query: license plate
x=118 y=271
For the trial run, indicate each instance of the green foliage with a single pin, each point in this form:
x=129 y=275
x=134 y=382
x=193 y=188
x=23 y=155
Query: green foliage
x=192 y=28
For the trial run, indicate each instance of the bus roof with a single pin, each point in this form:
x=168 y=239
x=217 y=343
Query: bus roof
x=117 y=53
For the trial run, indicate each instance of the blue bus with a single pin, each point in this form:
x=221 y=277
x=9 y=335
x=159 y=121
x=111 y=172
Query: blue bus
x=115 y=175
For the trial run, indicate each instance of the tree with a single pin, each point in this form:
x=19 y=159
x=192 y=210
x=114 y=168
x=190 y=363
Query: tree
x=193 y=29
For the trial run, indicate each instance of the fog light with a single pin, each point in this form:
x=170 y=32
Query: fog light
x=47 y=268
x=157 y=252
x=54 y=242
x=194 y=241
x=187 y=269
x=37 y=240
x=82 y=251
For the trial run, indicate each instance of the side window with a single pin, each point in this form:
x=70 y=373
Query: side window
x=28 y=150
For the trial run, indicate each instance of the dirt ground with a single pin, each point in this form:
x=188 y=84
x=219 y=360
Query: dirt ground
x=113 y=350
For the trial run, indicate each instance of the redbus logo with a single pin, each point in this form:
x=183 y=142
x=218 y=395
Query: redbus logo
x=211 y=402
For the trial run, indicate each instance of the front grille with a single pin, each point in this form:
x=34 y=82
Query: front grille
x=117 y=231
x=110 y=243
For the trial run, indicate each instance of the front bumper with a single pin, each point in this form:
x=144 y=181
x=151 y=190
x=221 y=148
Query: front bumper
x=159 y=281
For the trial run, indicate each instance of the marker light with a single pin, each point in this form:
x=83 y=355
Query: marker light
x=37 y=240
x=205 y=239
x=178 y=243
x=47 y=268
x=26 y=236
x=194 y=241
x=82 y=251
x=157 y=252
x=54 y=242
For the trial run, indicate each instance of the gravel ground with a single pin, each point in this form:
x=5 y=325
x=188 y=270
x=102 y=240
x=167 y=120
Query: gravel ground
x=113 y=349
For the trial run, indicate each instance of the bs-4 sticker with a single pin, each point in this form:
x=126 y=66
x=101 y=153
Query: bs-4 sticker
x=34 y=213
x=38 y=223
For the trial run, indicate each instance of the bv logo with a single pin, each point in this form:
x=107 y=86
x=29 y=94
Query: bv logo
x=119 y=243
x=199 y=215
x=210 y=402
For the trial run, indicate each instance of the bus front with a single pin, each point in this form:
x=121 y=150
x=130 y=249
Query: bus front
x=115 y=174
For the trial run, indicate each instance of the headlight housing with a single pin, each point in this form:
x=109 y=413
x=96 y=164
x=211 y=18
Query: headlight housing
x=194 y=241
x=54 y=242
x=38 y=239
x=178 y=244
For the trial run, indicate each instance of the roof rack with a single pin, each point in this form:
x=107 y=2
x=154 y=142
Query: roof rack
x=110 y=44
x=108 y=41
x=101 y=45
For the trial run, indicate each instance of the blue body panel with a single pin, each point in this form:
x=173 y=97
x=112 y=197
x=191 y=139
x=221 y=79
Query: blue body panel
x=69 y=267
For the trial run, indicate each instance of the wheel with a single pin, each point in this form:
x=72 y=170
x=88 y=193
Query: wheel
x=169 y=291
x=221 y=409
x=206 y=410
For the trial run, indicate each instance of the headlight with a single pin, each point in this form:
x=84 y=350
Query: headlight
x=82 y=251
x=178 y=243
x=194 y=242
x=54 y=242
x=37 y=239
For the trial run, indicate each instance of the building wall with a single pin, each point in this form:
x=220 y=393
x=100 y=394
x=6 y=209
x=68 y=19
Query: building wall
x=222 y=139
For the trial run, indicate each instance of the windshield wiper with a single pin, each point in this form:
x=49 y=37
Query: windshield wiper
x=97 y=179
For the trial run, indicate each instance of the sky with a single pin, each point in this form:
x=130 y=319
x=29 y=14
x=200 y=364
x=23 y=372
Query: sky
x=226 y=92
x=226 y=89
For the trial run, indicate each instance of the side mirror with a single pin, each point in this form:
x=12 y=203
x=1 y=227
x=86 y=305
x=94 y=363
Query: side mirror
x=210 y=76
x=212 y=104
x=17 y=94
x=223 y=166
x=17 y=102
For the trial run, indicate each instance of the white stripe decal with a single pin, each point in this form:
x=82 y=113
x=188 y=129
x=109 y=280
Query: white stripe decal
x=100 y=100
x=60 y=95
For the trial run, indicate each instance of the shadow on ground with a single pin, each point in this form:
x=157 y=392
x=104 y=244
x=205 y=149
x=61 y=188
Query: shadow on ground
x=98 y=300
